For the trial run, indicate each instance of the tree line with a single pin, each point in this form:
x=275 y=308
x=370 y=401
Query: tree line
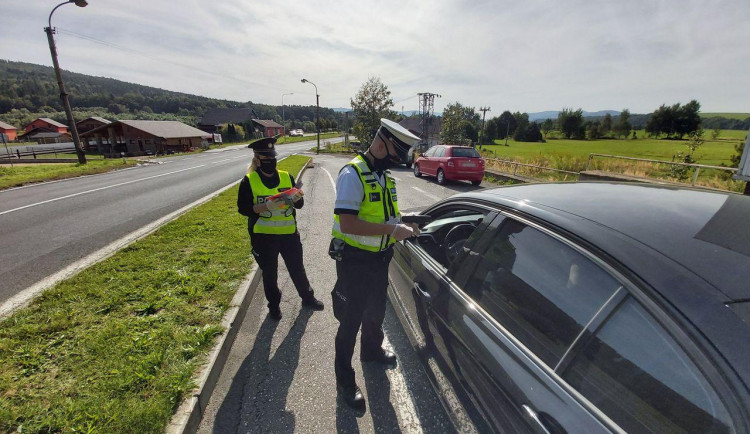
x=29 y=91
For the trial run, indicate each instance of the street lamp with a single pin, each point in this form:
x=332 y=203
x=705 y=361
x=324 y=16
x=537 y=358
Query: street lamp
x=283 y=126
x=317 y=110
x=63 y=94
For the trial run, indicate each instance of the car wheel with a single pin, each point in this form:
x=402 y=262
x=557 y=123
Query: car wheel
x=476 y=182
x=441 y=177
x=417 y=173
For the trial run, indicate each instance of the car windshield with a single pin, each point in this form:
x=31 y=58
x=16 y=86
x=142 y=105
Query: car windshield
x=465 y=152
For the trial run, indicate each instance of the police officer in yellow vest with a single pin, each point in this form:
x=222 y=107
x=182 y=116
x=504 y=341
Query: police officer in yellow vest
x=272 y=225
x=366 y=225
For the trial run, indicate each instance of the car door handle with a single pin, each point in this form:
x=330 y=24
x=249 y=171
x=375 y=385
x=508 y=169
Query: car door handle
x=534 y=416
x=424 y=294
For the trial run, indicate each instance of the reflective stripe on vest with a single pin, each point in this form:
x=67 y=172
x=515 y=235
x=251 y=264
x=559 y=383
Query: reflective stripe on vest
x=272 y=222
x=379 y=205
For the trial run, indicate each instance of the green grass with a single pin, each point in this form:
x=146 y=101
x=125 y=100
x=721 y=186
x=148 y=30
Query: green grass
x=114 y=348
x=739 y=116
x=712 y=152
x=19 y=175
x=573 y=155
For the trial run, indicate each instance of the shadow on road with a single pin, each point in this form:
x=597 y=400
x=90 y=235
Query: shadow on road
x=256 y=401
x=379 y=398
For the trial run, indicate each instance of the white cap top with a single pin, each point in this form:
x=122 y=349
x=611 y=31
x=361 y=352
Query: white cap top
x=400 y=133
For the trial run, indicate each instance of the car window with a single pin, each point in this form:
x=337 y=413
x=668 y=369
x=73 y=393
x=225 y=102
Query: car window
x=452 y=228
x=429 y=152
x=439 y=151
x=465 y=152
x=638 y=375
x=539 y=289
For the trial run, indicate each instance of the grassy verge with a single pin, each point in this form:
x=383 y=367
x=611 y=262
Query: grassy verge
x=21 y=174
x=114 y=348
x=334 y=148
x=573 y=155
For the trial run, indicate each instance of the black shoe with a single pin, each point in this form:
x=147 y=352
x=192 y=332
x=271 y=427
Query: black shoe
x=313 y=303
x=385 y=358
x=274 y=313
x=352 y=396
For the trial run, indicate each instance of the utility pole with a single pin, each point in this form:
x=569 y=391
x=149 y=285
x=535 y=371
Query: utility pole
x=63 y=94
x=426 y=108
x=507 y=130
x=317 y=110
x=484 y=111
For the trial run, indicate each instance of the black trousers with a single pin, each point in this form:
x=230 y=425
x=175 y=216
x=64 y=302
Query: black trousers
x=359 y=298
x=266 y=250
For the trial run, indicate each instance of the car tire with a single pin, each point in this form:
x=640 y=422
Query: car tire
x=417 y=173
x=476 y=182
x=441 y=177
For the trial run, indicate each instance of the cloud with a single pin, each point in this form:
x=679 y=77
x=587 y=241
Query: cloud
x=520 y=56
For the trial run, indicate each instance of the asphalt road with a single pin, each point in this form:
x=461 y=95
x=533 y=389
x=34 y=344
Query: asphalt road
x=279 y=375
x=46 y=227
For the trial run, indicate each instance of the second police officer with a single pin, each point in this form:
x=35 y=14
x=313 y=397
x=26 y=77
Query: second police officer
x=366 y=225
x=272 y=225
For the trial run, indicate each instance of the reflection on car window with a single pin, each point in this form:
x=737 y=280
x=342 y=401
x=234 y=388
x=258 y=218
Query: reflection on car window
x=445 y=236
x=541 y=290
x=638 y=375
x=465 y=152
x=439 y=151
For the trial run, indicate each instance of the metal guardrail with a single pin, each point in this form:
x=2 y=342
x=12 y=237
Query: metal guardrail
x=516 y=164
x=697 y=167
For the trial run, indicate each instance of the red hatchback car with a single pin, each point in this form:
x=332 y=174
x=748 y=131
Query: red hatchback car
x=448 y=162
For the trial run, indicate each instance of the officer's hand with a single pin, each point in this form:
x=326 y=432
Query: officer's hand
x=298 y=195
x=415 y=228
x=402 y=232
x=288 y=201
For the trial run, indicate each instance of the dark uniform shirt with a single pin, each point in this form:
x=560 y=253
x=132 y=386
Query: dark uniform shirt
x=245 y=198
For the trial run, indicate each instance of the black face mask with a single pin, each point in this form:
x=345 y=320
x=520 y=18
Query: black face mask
x=382 y=163
x=268 y=166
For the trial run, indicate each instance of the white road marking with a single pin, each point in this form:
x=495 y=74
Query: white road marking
x=226 y=159
x=430 y=195
x=97 y=189
x=397 y=179
x=333 y=183
x=400 y=393
x=24 y=297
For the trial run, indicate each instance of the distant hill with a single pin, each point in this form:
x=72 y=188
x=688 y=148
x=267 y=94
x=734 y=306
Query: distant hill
x=28 y=91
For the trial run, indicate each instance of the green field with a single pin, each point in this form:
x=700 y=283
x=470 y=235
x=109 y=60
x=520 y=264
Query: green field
x=713 y=152
x=573 y=155
x=739 y=116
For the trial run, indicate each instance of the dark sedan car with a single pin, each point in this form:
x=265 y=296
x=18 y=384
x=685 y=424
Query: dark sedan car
x=583 y=308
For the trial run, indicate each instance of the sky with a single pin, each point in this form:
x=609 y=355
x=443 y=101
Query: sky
x=527 y=56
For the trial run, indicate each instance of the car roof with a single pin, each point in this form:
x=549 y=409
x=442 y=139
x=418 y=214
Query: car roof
x=708 y=232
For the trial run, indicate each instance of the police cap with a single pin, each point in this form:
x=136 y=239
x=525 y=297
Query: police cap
x=402 y=140
x=264 y=146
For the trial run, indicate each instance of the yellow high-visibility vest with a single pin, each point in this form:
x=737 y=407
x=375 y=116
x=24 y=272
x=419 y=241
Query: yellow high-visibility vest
x=280 y=221
x=379 y=205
